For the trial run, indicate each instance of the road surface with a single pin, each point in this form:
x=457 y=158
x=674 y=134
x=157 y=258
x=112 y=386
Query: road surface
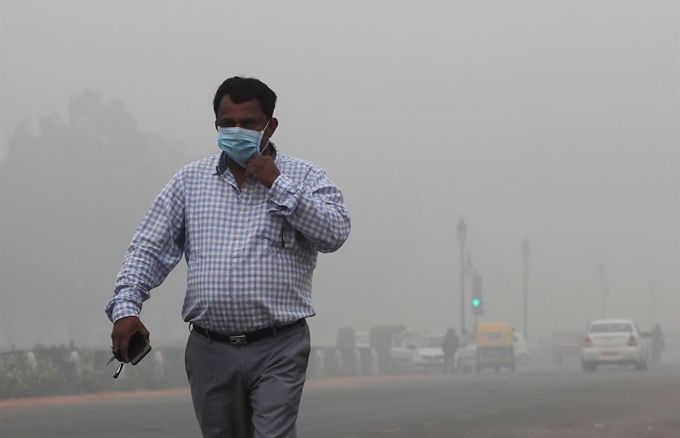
x=565 y=402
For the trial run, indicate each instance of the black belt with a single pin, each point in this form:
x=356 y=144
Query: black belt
x=245 y=338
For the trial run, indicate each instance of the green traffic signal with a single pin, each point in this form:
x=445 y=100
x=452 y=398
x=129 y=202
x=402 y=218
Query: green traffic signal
x=476 y=302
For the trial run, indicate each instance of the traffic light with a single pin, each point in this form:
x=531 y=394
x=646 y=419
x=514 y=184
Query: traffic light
x=477 y=302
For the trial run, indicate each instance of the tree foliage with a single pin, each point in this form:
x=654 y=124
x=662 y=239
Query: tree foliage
x=72 y=191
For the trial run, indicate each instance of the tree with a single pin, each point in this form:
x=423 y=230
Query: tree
x=72 y=192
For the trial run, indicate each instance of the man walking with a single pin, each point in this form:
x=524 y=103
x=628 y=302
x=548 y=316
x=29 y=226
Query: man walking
x=250 y=223
x=450 y=346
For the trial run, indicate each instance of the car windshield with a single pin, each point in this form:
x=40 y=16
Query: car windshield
x=611 y=328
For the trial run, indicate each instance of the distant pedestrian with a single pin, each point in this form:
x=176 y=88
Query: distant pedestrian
x=450 y=346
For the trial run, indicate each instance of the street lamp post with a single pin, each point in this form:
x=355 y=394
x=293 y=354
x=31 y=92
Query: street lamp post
x=526 y=254
x=462 y=234
x=603 y=289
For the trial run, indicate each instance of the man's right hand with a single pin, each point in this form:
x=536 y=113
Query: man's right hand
x=123 y=329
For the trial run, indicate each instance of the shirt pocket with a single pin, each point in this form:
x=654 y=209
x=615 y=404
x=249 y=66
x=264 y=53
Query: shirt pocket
x=292 y=238
x=272 y=231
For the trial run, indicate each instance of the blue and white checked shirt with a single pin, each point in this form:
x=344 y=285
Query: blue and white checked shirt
x=250 y=253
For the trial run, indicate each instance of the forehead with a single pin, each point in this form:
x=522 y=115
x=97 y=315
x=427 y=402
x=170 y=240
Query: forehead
x=231 y=110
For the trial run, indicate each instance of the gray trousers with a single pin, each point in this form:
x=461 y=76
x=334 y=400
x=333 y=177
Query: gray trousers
x=253 y=390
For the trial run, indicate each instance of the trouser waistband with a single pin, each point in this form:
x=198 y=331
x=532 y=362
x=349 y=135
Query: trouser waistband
x=245 y=338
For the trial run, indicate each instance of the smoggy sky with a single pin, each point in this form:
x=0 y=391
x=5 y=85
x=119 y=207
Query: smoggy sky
x=554 y=121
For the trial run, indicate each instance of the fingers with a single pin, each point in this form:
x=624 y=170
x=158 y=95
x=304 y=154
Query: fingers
x=257 y=164
x=145 y=333
x=124 y=344
x=263 y=168
x=120 y=346
x=123 y=329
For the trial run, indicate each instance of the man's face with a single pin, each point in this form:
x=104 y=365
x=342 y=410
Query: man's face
x=247 y=115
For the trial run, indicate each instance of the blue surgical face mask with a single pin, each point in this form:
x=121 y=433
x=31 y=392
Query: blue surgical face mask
x=240 y=144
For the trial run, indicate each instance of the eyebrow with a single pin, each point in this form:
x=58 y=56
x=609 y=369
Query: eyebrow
x=247 y=119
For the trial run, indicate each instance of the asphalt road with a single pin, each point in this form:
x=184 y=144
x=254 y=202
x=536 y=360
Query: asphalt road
x=566 y=402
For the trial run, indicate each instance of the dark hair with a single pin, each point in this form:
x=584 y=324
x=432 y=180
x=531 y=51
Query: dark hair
x=240 y=89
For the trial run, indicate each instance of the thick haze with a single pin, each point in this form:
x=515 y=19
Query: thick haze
x=554 y=121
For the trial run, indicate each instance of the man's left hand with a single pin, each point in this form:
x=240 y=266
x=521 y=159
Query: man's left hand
x=263 y=168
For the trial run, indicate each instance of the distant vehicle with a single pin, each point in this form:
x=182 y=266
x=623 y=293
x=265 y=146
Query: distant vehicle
x=521 y=348
x=419 y=353
x=381 y=339
x=466 y=356
x=495 y=346
x=565 y=344
x=362 y=340
x=614 y=341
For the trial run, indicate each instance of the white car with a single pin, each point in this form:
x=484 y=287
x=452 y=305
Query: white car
x=521 y=348
x=614 y=341
x=419 y=353
x=466 y=356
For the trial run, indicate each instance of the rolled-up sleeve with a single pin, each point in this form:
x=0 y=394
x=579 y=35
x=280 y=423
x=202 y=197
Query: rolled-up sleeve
x=314 y=207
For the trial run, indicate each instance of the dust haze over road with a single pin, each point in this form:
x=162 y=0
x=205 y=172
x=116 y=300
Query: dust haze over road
x=551 y=122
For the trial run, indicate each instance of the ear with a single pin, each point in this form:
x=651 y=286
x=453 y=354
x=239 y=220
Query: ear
x=273 y=124
x=216 y=126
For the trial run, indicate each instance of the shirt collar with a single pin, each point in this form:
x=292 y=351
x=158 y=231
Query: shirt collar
x=222 y=164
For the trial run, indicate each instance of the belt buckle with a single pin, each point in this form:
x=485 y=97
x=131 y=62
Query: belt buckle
x=238 y=340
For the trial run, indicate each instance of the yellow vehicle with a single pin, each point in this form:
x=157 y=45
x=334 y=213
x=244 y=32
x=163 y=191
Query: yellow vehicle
x=495 y=346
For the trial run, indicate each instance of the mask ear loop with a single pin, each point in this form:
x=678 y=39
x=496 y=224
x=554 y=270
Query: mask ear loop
x=267 y=145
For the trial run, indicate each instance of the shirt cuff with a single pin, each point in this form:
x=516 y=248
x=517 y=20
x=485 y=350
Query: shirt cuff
x=121 y=308
x=285 y=194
